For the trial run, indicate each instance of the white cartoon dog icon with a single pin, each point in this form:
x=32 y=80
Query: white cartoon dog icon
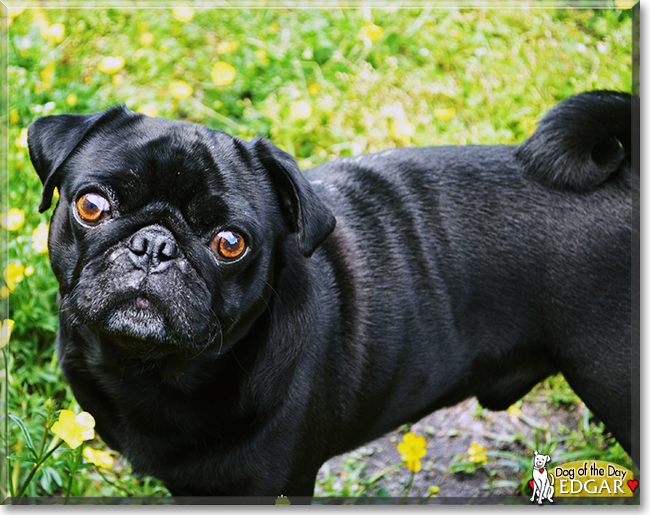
x=543 y=481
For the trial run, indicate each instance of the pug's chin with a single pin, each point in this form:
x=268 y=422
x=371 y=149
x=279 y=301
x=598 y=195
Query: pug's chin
x=140 y=328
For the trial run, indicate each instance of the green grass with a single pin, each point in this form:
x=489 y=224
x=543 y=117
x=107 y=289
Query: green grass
x=499 y=70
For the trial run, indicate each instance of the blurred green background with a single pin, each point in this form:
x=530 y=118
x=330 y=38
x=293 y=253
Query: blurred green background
x=321 y=83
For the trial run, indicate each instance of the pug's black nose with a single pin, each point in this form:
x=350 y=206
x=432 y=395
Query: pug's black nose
x=153 y=248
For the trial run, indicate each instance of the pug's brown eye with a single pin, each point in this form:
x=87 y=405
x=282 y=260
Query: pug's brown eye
x=93 y=208
x=228 y=245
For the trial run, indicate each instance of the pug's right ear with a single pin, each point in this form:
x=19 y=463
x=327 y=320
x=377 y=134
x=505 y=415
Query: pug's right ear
x=53 y=138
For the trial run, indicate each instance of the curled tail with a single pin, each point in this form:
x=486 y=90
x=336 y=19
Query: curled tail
x=580 y=142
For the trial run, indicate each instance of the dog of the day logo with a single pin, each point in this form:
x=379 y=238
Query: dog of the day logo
x=579 y=479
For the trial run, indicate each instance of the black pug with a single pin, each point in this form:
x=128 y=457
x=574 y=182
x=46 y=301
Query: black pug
x=232 y=323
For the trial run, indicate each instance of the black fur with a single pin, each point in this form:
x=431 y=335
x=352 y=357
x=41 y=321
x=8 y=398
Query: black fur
x=450 y=272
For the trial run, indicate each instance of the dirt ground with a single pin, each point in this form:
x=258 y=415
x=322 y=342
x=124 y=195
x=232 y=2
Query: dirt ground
x=451 y=432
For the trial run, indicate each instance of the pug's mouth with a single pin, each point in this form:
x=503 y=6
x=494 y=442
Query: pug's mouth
x=140 y=319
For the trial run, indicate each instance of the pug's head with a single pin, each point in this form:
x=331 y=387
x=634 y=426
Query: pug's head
x=164 y=235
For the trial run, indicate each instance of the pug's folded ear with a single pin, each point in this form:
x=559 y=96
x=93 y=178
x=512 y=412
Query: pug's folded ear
x=304 y=211
x=53 y=138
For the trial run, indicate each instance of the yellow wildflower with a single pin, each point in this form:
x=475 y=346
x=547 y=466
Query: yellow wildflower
x=625 y=4
x=300 y=110
x=5 y=331
x=47 y=75
x=183 y=13
x=13 y=219
x=4 y=292
x=402 y=130
x=29 y=271
x=222 y=73
x=110 y=65
x=372 y=31
x=475 y=453
x=180 y=89
x=14 y=117
x=225 y=47
x=433 y=490
x=98 y=458
x=39 y=238
x=313 y=88
x=13 y=274
x=148 y=109
x=117 y=80
x=261 y=56
x=412 y=448
x=71 y=100
x=21 y=141
x=514 y=411
x=444 y=114
x=74 y=429
x=147 y=39
x=53 y=33
x=274 y=28
x=45 y=31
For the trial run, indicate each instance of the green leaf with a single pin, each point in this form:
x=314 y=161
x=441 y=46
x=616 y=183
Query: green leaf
x=28 y=439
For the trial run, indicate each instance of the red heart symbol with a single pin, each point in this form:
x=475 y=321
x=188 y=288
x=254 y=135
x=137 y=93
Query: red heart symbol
x=532 y=484
x=632 y=484
x=541 y=470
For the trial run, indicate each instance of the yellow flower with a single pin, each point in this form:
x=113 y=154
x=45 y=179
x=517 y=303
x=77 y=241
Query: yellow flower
x=226 y=47
x=4 y=292
x=300 y=110
x=475 y=453
x=514 y=411
x=5 y=331
x=71 y=100
x=274 y=28
x=13 y=219
x=29 y=271
x=117 y=80
x=372 y=31
x=47 y=75
x=53 y=33
x=222 y=73
x=148 y=109
x=444 y=114
x=110 y=65
x=21 y=141
x=39 y=238
x=147 y=39
x=14 y=117
x=260 y=54
x=625 y=4
x=313 y=88
x=433 y=490
x=74 y=429
x=13 y=274
x=183 y=13
x=412 y=448
x=402 y=130
x=98 y=458
x=180 y=89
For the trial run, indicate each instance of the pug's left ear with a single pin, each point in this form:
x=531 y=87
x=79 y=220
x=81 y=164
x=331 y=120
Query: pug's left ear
x=305 y=212
x=53 y=138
